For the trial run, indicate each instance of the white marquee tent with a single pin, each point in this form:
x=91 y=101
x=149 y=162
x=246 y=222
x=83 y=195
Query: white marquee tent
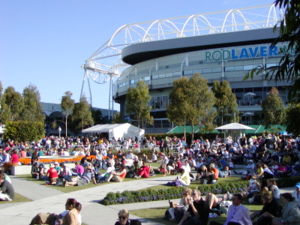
x=234 y=126
x=235 y=130
x=119 y=130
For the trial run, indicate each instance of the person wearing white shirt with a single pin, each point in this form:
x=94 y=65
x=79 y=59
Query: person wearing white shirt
x=296 y=194
x=238 y=213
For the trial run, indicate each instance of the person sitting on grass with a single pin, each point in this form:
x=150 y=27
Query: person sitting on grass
x=35 y=170
x=176 y=211
x=205 y=176
x=65 y=174
x=184 y=179
x=237 y=213
x=296 y=194
x=118 y=176
x=225 y=172
x=270 y=205
x=72 y=216
x=198 y=211
x=52 y=174
x=144 y=171
x=290 y=212
x=7 y=192
x=106 y=175
x=42 y=174
x=123 y=216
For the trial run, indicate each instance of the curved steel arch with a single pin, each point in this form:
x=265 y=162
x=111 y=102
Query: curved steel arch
x=272 y=10
x=232 y=13
x=159 y=22
x=192 y=17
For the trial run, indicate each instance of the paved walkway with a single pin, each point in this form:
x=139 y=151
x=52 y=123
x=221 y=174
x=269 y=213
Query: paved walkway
x=48 y=200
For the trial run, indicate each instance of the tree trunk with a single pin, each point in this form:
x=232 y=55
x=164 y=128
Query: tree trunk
x=192 y=133
x=184 y=130
x=66 y=126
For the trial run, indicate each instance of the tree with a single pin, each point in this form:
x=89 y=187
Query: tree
x=32 y=110
x=1 y=90
x=191 y=102
x=117 y=118
x=289 y=64
x=273 y=109
x=137 y=104
x=98 y=118
x=11 y=105
x=24 y=130
x=226 y=105
x=82 y=115
x=67 y=105
x=293 y=118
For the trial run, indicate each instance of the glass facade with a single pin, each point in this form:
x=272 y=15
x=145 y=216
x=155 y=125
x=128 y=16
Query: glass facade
x=230 y=63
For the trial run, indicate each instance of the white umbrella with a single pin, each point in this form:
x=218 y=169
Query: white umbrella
x=234 y=126
x=249 y=94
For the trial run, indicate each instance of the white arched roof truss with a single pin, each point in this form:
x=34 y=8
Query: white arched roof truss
x=234 y=24
x=132 y=33
x=163 y=29
x=196 y=27
x=272 y=16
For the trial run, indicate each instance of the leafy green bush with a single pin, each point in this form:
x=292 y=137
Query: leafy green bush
x=142 y=196
x=287 y=181
x=24 y=130
x=170 y=193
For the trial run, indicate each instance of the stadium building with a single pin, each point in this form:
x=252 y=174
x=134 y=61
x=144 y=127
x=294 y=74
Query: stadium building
x=224 y=52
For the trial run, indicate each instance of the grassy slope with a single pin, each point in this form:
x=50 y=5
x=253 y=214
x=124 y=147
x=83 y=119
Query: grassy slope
x=157 y=214
x=18 y=198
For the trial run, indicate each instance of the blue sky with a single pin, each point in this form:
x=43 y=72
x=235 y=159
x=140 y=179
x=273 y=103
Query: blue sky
x=45 y=42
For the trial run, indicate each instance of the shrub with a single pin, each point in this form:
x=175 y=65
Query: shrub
x=287 y=181
x=170 y=193
x=24 y=130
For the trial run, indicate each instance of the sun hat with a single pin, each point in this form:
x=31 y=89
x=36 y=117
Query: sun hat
x=298 y=185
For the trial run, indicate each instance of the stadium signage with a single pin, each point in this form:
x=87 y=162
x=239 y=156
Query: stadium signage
x=243 y=53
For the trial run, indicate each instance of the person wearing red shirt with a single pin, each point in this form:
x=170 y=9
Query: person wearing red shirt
x=144 y=171
x=14 y=161
x=52 y=174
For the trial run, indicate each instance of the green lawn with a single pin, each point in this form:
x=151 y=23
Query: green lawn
x=18 y=198
x=195 y=185
x=59 y=188
x=69 y=188
x=157 y=214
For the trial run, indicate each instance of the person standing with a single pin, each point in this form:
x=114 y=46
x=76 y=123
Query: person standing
x=14 y=162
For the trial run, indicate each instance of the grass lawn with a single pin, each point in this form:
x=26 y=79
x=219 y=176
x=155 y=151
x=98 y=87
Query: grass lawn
x=157 y=214
x=59 y=188
x=69 y=188
x=195 y=185
x=18 y=198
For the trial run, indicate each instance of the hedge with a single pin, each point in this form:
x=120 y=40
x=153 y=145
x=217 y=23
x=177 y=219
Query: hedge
x=24 y=130
x=176 y=192
x=287 y=181
x=169 y=193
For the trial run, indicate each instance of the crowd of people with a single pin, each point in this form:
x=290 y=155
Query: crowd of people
x=259 y=159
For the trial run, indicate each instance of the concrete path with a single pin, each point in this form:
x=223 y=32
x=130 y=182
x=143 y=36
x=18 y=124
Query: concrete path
x=46 y=199
x=53 y=201
x=32 y=190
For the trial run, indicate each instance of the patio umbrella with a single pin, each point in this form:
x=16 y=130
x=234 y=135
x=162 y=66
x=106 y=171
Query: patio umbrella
x=234 y=126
